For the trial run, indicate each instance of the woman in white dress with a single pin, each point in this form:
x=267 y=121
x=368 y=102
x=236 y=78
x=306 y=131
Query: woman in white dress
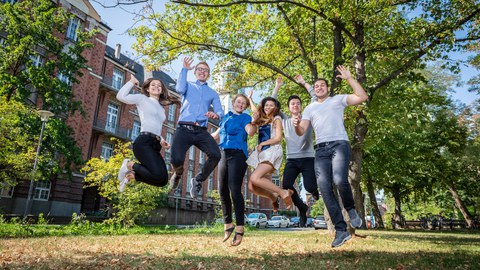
x=268 y=154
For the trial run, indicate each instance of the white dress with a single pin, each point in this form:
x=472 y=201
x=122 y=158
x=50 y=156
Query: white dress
x=273 y=155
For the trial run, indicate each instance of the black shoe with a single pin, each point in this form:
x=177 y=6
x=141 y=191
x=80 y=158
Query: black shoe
x=195 y=187
x=340 y=238
x=316 y=196
x=303 y=215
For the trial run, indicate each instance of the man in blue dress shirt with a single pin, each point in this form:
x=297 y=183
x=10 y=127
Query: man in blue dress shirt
x=197 y=97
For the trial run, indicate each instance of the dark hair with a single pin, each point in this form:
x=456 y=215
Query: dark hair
x=262 y=117
x=293 y=97
x=165 y=98
x=321 y=79
x=241 y=95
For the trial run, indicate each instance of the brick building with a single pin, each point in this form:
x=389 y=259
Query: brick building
x=106 y=118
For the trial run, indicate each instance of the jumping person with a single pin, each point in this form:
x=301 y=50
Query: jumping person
x=332 y=149
x=300 y=154
x=233 y=132
x=268 y=154
x=197 y=97
x=147 y=145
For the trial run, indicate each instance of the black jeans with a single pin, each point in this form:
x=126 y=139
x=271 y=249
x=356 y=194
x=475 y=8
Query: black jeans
x=295 y=166
x=231 y=170
x=152 y=169
x=184 y=138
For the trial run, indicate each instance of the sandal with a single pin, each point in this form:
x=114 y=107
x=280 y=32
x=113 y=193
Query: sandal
x=228 y=232
x=234 y=242
x=275 y=206
x=288 y=199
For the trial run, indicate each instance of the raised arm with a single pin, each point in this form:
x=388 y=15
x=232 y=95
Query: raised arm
x=252 y=104
x=299 y=79
x=252 y=128
x=124 y=93
x=278 y=84
x=182 y=84
x=359 y=95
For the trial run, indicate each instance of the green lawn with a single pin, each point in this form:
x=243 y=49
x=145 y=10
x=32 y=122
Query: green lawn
x=261 y=249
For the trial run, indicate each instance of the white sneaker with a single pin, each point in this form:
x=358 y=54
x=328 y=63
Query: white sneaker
x=123 y=170
x=123 y=184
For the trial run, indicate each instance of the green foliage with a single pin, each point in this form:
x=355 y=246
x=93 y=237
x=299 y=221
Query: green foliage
x=137 y=201
x=318 y=208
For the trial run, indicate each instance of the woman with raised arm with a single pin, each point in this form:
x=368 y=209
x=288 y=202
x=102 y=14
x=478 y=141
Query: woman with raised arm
x=233 y=132
x=150 y=104
x=268 y=154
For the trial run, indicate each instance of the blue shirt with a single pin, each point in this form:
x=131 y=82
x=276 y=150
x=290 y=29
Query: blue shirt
x=196 y=100
x=232 y=132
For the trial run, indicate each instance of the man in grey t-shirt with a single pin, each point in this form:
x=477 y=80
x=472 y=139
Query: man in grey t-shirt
x=300 y=155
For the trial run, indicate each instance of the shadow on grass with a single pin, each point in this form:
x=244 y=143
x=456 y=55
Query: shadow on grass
x=329 y=259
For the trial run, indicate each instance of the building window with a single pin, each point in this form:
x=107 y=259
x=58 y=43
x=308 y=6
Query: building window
x=276 y=180
x=6 y=191
x=107 y=151
x=37 y=60
x=201 y=160
x=135 y=129
x=9 y=1
x=210 y=182
x=112 y=117
x=117 y=79
x=213 y=129
x=171 y=112
x=189 y=176
x=191 y=153
x=42 y=190
x=72 y=30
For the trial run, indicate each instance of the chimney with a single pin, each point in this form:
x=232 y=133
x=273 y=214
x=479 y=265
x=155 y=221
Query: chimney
x=118 y=47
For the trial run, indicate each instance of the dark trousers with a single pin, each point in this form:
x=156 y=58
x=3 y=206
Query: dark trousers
x=184 y=138
x=295 y=166
x=231 y=170
x=152 y=169
x=331 y=166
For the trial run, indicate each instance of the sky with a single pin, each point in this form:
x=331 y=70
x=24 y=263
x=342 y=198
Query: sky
x=120 y=20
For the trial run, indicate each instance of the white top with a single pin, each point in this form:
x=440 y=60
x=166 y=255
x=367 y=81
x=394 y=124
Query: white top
x=150 y=111
x=327 y=119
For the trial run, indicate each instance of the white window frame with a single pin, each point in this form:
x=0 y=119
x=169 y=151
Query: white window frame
x=113 y=111
x=201 y=159
x=107 y=151
x=37 y=60
x=171 y=112
x=42 y=190
x=117 y=78
x=210 y=182
x=191 y=153
x=72 y=31
x=6 y=191
x=168 y=138
x=136 y=129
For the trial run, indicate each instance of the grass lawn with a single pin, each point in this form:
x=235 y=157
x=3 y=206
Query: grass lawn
x=261 y=249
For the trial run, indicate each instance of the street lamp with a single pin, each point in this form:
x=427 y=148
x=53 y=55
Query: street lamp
x=44 y=115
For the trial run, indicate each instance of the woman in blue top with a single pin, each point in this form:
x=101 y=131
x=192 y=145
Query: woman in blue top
x=233 y=132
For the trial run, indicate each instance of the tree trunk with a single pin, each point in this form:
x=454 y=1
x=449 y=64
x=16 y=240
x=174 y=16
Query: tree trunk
x=397 y=218
x=373 y=203
x=459 y=204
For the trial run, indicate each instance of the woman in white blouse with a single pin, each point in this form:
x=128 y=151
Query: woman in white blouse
x=150 y=104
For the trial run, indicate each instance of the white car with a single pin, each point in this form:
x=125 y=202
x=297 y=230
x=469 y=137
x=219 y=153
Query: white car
x=279 y=222
x=257 y=220
x=320 y=223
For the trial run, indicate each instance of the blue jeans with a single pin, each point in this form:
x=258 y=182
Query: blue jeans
x=331 y=166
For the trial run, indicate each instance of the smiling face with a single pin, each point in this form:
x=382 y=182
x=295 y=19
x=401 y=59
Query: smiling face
x=155 y=88
x=269 y=108
x=240 y=103
x=202 y=72
x=321 y=89
x=295 y=106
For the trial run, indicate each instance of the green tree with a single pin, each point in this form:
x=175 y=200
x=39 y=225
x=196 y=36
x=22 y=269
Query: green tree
x=34 y=32
x=264 y=38
x=137 y=201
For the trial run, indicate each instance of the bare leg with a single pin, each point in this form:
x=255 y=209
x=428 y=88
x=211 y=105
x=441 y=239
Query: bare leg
x=260 y=179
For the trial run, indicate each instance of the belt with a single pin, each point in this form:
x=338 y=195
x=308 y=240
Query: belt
x=191 y=125
x=150 y=134
x=320 y=145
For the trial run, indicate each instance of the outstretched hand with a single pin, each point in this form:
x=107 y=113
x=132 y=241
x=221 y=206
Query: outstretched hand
x=187 y=63
x=279 y=82
x=165 y=144
x=134 y=80
x=299 y=79
x=344 y=73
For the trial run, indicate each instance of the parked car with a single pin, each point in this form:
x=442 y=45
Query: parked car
x=257 y=220
x=279 y=222
x=319 y=223
x=295 y=221
x=309 y=222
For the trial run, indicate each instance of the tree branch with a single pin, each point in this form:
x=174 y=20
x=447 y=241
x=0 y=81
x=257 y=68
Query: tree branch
x=120 y=3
